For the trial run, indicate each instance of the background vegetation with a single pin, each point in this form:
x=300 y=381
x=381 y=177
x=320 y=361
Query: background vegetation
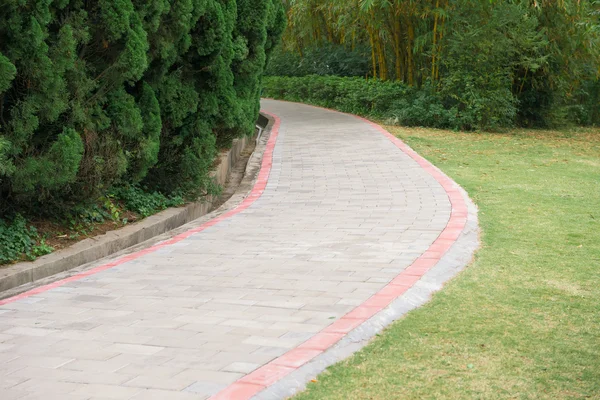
x=101 y=95
x=475 y=64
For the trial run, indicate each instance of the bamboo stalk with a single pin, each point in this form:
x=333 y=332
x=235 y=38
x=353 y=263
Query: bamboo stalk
x=373 y=56
x=382 y=60
x=397 y=44
x=434 y=49
x=409 y=49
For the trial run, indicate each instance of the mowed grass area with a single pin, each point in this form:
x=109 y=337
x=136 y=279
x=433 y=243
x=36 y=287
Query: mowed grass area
x=523 y=320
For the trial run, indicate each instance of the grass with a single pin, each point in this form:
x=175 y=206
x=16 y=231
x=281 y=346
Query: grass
x=523 y=320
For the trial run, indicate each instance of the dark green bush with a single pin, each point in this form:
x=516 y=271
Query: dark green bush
x=353 y=95
x=18 y=240
x=425 y=107
x=390 y=99
x=144 y=203
x=103 y=93
x=487 y=50
x=589 y=111
x=325 y=59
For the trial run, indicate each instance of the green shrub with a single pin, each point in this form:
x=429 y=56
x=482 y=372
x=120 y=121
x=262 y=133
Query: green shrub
x=18 y=240
x=394 y=100
x=425 y=107
x=325 y=59
x=107 y=96
x=104 y=93
x=144 y=203
x=589 y=111
x=353 y=95
x=486 y=48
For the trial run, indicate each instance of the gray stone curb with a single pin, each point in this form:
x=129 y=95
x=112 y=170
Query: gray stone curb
x=25 y=275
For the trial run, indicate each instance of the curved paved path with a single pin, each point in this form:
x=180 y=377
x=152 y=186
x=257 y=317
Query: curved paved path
x=344 y=212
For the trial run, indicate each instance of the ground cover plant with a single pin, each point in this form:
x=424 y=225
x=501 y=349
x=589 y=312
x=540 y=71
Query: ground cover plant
x=522 y=320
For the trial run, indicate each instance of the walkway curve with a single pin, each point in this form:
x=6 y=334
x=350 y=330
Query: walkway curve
x=339 y=226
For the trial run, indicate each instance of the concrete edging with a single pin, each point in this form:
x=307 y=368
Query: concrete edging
x=98 y=247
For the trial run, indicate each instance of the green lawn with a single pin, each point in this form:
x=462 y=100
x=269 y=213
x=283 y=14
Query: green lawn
x=523 y=320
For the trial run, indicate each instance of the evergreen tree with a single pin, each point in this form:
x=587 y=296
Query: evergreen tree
x=124 y=92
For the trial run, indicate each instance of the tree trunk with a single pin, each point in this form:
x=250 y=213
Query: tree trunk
x=409 y=53
x=397 y=44
x=434 y=49
x=373 y=56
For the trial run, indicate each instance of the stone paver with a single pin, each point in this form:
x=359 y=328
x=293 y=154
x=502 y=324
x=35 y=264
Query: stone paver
x=343 y=213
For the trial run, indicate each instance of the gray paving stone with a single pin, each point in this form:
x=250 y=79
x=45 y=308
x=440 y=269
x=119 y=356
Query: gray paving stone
x=205 y=389
x=158 y=394
x=106 y=391
x=241 y=367
x=175 y=383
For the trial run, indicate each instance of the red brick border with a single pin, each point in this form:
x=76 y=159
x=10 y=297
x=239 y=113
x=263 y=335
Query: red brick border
x=255 y=193
x=268 y=374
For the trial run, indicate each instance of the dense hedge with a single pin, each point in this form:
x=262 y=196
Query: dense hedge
x=324 y=59
x=98 y=94
x=477 y=108
x=404 y=104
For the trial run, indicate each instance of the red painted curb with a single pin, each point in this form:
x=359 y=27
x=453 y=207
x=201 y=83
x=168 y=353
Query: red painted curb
x=255 y=382
x=255 y=193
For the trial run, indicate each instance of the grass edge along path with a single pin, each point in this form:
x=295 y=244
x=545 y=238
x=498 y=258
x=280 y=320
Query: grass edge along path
x=523 y=320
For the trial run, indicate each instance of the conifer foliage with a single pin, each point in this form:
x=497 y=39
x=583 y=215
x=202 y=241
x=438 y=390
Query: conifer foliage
x=95 y=94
